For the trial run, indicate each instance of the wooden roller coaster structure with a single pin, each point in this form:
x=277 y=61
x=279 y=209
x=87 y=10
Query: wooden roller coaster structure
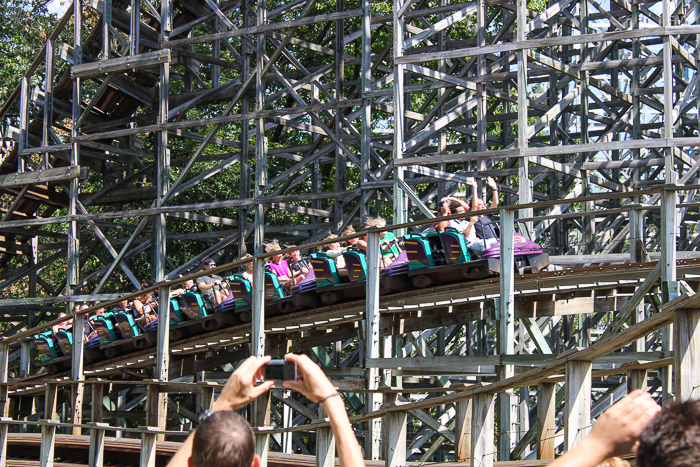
x=585 y=114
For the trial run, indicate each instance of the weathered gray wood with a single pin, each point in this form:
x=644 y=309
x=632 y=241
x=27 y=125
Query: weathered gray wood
x=148 y=447
x=97 y=444
x=4 y=428
x=262 y=28
x=58 y=174
x=122 y=64
x=396 y=440
x=48 y=441
x=546 y=420
x=77 y=372
x=577 y=419
x=686 y=346
x=372 y=342
x=637 y=379
x=463 y=431
x=325 y=444
x=483 y=425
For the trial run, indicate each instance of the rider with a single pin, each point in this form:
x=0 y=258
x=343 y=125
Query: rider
x=207 y=284
x=486 y=235
x=299 y=265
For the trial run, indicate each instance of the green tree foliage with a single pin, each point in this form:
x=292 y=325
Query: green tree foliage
x=24 y=28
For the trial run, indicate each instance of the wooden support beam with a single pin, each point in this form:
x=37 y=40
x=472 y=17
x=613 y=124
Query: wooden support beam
x=483 y=427
x=121 y=64
x=97 y=444
x=396 y=439
x=372 y=349
x=148 y=447
x=50 y=401
x=98 y=391
x=463 y=431
x=4 y=428
x=686 y=346
x=546 y=420
x=325 y=444
x=48 y=442
x=577 y=417
x=53 y=175
x=637 y=379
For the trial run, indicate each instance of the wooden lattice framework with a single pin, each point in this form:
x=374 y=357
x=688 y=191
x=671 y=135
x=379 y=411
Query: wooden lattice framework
x=389 y=105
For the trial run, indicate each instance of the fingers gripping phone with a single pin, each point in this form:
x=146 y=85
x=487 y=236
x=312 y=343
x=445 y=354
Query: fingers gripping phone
x=280 y=370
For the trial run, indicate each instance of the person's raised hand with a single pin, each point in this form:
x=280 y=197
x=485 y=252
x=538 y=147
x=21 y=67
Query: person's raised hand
x=445 y=209
x=491 y=183
x=618 y=429
x=313 y=382
x=240 y=388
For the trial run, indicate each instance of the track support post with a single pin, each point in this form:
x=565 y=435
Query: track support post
x=4 y=429
x=577 y=407
x=97 y=444
x=546 y=420
x=686 y=342
x=48 y=441
x=463 y=431
x=373 y=439
x=483 y=427
x=396 y=440
x=148 y=446
x=325 y=444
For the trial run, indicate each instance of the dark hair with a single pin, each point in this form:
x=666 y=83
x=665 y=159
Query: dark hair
x=672 y=438
x=454 y=205
x=224 y=439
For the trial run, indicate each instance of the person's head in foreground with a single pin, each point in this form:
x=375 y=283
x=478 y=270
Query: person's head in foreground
x=224 y=439
x=672 y=438
x=614 y=462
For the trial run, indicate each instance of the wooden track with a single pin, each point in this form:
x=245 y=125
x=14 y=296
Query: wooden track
x=530 y=285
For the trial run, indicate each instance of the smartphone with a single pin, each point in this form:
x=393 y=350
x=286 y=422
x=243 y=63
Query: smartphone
x=280 y=370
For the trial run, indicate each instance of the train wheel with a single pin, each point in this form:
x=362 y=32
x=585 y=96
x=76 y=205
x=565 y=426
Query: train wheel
x=110 y=353
x=423 y=281
x=329 y=298
x=175 y=335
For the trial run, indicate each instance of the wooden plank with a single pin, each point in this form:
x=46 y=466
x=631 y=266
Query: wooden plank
x=48 y=441
x=458 y=364
x=483 y=427
x=531 y=307
x=546 y=420
x=121 y=64
x=325 y=444
x=396 y=440
x=463 y=431
x=637 y=379
x=372 y=342
x=261 y=28
x=148 y=447
x=686 y=346
x=551 y=42
x=97 y=444
x=577 y=417
x=60 y=174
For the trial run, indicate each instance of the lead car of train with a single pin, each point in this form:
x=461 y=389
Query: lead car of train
x=427 y=259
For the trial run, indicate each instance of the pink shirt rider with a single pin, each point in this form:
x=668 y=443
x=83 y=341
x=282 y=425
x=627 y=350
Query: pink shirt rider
x=280 y=269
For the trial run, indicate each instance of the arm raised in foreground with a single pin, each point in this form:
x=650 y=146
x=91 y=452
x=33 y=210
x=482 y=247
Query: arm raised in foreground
x=615 y=433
